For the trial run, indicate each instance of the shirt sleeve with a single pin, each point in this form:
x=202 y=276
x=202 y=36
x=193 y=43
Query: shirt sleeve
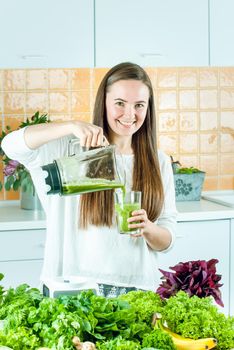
x=15 y=147
x=167 y=218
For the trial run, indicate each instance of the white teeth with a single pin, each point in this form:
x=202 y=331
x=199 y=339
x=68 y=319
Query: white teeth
x=126 y=123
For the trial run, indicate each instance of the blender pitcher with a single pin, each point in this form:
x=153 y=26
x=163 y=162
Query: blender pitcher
x=87 y=171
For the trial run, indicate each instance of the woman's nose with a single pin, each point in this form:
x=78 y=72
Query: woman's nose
x=129 y=111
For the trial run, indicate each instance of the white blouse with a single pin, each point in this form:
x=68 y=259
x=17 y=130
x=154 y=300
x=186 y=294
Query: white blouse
x=99 y=253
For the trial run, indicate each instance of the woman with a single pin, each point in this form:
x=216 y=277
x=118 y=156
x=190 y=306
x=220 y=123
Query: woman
x=123 y=113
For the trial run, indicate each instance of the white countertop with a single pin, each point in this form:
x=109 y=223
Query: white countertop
x=14 y=218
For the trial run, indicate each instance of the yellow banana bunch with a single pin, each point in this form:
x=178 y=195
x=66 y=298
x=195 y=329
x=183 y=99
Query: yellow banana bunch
x=182 y=343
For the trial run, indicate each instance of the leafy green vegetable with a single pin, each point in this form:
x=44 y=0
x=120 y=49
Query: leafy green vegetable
x=118 y=344
x=160 y=339
x=190 y=170
x=145 y=304
x=195 y=318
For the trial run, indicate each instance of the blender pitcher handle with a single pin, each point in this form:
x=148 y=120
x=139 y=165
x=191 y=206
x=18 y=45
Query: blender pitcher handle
x=71 y=147
x=74 y=142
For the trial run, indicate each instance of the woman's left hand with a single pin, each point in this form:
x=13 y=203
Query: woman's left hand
x=139 y=219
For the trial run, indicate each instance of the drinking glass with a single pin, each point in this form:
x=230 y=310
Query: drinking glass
x=125 y=204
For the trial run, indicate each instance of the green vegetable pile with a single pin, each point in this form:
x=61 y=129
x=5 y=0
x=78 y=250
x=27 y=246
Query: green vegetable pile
x=31 y=321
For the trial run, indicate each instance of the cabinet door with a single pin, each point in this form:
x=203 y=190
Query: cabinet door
x=22 y=245
x=203 y=240
x=46 y=33
x=221 y=32
x=18 y=272
x=152 y=32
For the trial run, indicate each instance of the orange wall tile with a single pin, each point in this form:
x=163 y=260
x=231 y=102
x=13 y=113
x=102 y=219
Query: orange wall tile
x=194 y=106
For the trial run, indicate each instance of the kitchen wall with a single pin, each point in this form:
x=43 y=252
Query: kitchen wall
x=195 y=110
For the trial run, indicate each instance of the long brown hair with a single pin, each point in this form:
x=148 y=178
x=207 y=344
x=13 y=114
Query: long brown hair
x=97 y=208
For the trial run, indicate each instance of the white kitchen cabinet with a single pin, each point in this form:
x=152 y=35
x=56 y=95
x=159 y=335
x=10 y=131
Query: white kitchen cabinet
x=21 y=256
x=37 y=34
x=203 y=240
x=221 y=32
x=18 y=272
x=152 y=32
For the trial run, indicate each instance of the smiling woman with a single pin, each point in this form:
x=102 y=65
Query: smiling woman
x=82 y=235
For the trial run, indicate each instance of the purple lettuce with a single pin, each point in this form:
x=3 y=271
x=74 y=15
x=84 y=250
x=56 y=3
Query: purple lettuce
x=193 y=277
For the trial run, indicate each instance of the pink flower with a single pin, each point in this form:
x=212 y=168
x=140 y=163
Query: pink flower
x=10 y=168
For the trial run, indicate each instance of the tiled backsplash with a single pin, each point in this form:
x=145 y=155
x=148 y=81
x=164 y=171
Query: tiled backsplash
x=195 y=110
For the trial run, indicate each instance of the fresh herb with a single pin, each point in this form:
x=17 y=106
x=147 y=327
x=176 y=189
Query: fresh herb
x=194 y=277
x=16 y=175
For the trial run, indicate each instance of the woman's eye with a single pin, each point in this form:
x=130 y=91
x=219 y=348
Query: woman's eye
x=119 y=103
x=139 y=105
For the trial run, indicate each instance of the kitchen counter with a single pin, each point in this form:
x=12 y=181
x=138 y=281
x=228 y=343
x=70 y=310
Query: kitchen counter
x=14 y=218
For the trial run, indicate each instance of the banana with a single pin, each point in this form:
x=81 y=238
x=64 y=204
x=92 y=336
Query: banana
x=182 y=343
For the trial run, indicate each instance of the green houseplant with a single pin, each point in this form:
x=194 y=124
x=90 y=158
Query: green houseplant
x=188 y=182
x=15 y=174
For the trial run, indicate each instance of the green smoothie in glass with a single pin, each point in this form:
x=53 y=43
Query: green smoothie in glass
x=125 y=204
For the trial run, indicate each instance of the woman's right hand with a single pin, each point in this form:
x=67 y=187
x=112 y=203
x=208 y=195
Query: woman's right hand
x=90 y=135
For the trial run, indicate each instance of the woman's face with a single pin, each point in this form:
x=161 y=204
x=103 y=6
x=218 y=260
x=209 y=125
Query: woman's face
x=126 y=106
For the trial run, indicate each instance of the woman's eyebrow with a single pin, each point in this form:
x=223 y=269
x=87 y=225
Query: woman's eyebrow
x=120 y=99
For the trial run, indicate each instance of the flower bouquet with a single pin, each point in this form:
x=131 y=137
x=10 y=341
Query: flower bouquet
x=15 y=174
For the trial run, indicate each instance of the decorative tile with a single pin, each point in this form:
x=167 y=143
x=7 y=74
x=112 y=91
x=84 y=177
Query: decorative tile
x=188 y=99
x=152 y=73
x=189 y=161
x=97 y=76
x=167 y=121
x=36 y=101
x=227 y=98
x=208 y=143
x=227 y=143
x=208 y=77
x=187 y=77
x=226 y=182
x=14 y=80
x=226 y=164
x=11 y=195
x=14 y=102
x=208 y=121
x=166 y=78
x=58 y=79
x=86 y=117
x=226 y=77
x=80 y=101
x=188 y=121
x=13 y=122
x=188 y=143
x=58 y=102
x=81 y=79
x=209 y=164
x=168 y=144
x=208 y=99
x=36 y=79
x=227 y=123
x=1 y=102
x=210 y=183
x=166 y=99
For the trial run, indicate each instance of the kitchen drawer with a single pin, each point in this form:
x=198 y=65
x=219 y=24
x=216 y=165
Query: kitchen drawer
x=22 y=244
x=18 y=272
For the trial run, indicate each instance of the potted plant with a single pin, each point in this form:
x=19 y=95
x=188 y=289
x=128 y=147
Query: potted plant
x=188 y=182
x=16 y=176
